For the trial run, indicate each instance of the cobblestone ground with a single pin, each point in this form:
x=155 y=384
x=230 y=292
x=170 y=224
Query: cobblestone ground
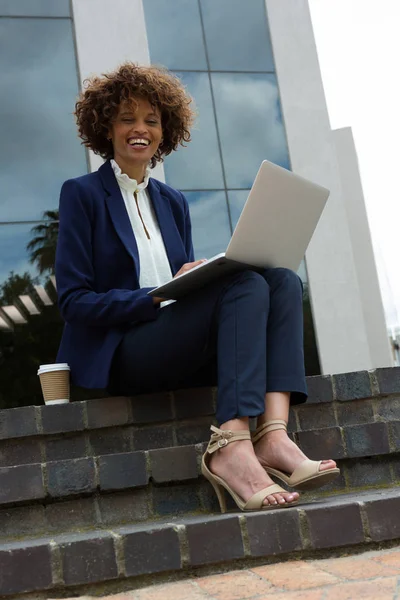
x=368 y=576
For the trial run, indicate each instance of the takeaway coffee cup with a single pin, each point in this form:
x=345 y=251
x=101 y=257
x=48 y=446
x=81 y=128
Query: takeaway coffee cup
x=54 y=380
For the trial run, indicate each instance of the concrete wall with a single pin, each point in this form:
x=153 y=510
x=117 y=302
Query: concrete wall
x=374 y=315
x=335 y=294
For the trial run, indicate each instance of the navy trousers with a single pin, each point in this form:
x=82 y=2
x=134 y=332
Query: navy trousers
x=243 y=333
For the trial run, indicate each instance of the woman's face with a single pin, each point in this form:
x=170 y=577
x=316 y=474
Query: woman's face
x=136 y=133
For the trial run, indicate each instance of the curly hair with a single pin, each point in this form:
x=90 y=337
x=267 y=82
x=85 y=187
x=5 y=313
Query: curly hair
x=98 y=106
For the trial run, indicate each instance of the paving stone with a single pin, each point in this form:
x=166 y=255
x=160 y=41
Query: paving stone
x=65 y=447
x=319 y=389
x=384 y=519
x=20 y=483
x=388 y=408
x=193 y=433
x=108 y=412
x=352 y=386
x=71 y=515
x=151 y=551
x=147 y=438
x=62 y=418
x=335 y=526
x=70 y=477
x=367 y=440
x=175 y=499
x=89 y=560
x=295 y=575
x=368 y=472
x=121 y=471
x=181 y=590
x=208 y=541
x=388 y=380
x=274 y=532
x=235 y=585
x=111 y=441
x=382 y=588
x=25 y=570
x=150 y=408
x=316 y=416
x=356 y=567
x=174 y=464
x=195 y=402
x=354 y=413
x=127 y=507
x=21 y=521
x=19 y=452
x=326 y=443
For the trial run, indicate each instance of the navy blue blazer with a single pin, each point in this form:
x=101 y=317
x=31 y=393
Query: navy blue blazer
x=97 y=268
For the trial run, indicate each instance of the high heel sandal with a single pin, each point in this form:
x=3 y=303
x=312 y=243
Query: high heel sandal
x=219 y=439
x=307 y=476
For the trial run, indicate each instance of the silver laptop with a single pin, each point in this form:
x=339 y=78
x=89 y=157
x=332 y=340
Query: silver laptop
x=274 y=230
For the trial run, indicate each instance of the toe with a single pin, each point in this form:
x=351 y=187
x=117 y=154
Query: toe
x=327 y=464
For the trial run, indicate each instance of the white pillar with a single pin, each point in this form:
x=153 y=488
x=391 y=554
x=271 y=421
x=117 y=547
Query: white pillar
x=335 y=294
x=107 y=33
x=374 y=315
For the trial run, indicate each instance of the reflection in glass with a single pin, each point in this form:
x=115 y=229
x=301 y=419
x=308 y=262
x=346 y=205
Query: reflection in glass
x=237 y=35
x=250 y=124
x=34 y=8
x=40 y=148
x=174 y=33
x=197 y=166
x=30 y=327
x=210 y=223
x=237 y=199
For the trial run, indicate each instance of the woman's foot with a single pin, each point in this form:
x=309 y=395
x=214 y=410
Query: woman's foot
x=275 y=449
x=238 y=466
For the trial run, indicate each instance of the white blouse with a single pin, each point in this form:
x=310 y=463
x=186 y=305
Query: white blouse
x=154 y=265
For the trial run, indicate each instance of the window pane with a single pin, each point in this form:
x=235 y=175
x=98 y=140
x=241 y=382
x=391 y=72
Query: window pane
x=197 y=166
x=174 y=33
x=250 y=124
x=237 y=35
x=210 y=223
x=237 y=199
x=31 y=314
x=40 y=148
x=35 y=8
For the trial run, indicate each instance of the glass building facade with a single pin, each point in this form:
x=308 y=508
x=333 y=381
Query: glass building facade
x=222 y=52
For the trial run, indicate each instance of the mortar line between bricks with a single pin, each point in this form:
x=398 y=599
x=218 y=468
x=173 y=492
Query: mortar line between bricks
x=85 y=417
x=119 y=552
x=365 y=522
x=245 y=535
x=57 y=574
x=304 y=530
x=96 y=472
x=183 y=544
x=38 y=420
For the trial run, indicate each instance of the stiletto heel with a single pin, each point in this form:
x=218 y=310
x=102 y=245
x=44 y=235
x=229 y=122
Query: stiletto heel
x=307 y=476
x=219 y=439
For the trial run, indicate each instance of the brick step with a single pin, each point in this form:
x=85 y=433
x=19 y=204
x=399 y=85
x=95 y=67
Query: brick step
x=115 y=558
x=114 y=425
x=162 y=482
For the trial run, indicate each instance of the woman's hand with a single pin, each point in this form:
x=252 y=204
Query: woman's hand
x=189 y=266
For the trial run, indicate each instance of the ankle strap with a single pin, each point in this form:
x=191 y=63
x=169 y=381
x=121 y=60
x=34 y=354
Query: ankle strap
x=222 y=437
x=273 y=425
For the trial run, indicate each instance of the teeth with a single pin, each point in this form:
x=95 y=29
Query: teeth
x=140 y=141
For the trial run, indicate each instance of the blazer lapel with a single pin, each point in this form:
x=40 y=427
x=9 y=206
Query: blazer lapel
x=119 y=215
x=166 y=221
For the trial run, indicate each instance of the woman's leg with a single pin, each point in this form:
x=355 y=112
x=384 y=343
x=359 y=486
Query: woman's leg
x=164 y=353
x=285 y=370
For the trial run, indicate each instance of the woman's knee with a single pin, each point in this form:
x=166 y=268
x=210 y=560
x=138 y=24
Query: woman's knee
x=255 y=280
x=281 y=277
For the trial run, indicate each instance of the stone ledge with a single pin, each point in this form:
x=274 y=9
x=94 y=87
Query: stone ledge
x=182 y=543
x=182 y=404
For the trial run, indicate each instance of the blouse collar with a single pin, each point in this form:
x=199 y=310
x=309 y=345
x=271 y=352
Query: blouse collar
x=131 y=185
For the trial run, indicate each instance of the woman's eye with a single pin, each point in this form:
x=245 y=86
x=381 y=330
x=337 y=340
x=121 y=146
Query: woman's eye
x=153 y=122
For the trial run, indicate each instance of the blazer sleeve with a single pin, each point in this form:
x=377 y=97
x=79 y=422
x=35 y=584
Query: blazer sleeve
x=78 y=301
x=188 y=231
